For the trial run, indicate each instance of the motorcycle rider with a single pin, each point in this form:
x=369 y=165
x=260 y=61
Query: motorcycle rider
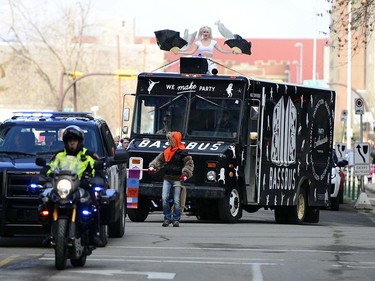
x=73 y=138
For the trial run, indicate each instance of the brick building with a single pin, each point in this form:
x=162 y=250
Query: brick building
x=275 y=59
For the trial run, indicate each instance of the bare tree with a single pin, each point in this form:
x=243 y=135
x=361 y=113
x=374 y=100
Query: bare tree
x=40 y=40
x=361 y=18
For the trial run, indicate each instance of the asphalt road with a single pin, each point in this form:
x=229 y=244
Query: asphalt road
x=340 y=247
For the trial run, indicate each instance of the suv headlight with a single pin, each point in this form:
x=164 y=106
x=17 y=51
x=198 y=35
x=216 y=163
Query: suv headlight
x=63 y=188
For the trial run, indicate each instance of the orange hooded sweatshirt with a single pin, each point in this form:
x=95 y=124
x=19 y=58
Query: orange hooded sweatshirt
x=174 y=139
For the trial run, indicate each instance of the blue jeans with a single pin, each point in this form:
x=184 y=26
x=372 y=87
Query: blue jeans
x=167 y=185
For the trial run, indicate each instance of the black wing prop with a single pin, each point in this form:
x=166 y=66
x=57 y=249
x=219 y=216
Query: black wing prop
x=168 y=39
x=239 y=44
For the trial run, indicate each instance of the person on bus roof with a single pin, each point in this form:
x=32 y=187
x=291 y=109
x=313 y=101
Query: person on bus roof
x=205 y=46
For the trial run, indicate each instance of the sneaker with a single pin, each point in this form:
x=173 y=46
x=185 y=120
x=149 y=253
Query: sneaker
x=176 y=224
x=166 y=223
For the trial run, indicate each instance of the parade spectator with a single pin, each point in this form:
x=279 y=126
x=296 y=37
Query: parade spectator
x=125 y=143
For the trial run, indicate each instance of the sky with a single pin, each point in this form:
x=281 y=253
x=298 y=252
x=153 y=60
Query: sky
x=248 y=18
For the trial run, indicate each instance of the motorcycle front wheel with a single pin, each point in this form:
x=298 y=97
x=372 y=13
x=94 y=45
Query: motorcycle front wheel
x=103 y=232
x=61 y=250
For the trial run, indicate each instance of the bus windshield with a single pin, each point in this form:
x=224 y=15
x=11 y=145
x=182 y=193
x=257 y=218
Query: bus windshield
x=214 y=117
x=159 y=114
x=207 y=117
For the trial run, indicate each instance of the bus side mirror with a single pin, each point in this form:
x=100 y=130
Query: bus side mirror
x=254 y=112
x=125 y=130
x=126 y=114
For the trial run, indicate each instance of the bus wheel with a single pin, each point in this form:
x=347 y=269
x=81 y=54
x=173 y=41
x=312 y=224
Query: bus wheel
x=298 y=213
x=230 y=209
x=281 y=215
x=312 y=215
x=207 y=210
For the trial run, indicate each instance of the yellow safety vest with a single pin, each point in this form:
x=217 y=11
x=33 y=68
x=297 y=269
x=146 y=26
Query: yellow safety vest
x=77 y=164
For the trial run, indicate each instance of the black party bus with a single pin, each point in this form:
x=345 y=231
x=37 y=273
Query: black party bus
x=275 y=152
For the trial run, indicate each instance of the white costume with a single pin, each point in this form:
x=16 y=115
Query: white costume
x=203 y=50
x=206 y=49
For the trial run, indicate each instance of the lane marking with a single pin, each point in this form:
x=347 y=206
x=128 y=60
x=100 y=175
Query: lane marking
x=257 y=272
x=150 y=260
x=355 y=264
x=150 y=275
x=8 y=260
x=255 y=267
x=241 y=250
x=177 y=258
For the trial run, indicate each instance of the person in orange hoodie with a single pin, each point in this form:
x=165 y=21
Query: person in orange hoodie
x=178 y=166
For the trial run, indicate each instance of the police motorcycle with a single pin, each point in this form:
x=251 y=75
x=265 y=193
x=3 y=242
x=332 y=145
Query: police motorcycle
x=67 y=210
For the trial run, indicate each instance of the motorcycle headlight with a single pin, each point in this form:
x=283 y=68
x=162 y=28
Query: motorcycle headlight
x=63 y=188
x=98 y=188
x=211 y=175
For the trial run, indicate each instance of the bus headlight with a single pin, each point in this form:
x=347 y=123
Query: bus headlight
x=211 y=175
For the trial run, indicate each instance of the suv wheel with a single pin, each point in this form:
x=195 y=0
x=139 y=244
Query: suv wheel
x=117 y=229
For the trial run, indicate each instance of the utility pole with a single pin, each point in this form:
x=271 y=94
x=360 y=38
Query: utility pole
x=119 y=89
x=349 y=131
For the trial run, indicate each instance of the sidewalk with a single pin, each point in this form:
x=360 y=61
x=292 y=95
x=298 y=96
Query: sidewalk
x=370 y=187
x=370 y=191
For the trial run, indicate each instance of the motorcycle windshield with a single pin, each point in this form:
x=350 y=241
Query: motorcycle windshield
x=68 y=163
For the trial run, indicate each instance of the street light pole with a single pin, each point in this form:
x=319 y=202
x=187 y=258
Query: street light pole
x=314 y=55
x=119 y=96
x=74 y=95
x=287 y=72
x=300 y=46
x=314 y=42
x=296 y=63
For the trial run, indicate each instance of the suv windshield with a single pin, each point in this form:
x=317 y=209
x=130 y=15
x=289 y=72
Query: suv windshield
x=40 y=139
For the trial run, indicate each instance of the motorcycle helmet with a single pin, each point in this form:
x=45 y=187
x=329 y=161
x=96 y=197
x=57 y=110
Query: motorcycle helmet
x=73 y=132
